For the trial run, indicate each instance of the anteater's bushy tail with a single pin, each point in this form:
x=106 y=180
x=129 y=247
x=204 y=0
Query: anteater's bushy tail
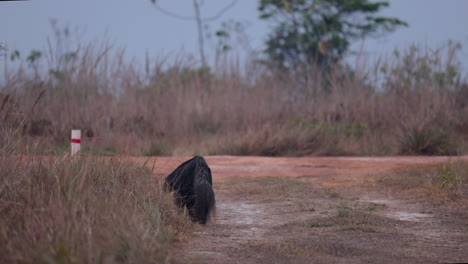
x=204 y=198
x=192 y=184
x=204 y=202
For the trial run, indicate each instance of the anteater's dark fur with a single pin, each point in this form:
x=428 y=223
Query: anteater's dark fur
x=192 y=186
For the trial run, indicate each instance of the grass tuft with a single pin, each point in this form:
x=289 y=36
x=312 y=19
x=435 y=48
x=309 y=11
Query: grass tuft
x=84 y=210
x=442 y=183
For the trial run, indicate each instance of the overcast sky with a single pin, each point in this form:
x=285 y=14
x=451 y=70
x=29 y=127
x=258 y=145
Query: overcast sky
x=140 y=28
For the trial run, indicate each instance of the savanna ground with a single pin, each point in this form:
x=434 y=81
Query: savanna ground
x=322 y=210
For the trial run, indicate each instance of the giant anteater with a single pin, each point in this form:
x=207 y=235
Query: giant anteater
x=192 y=186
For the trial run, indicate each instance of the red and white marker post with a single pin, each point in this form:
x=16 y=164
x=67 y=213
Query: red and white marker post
x=75 y=141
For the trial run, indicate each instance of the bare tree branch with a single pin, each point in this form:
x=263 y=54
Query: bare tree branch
x=199 y=20
x=221 y=12
x=201 y=45
x=182 y=17
x=171 y=14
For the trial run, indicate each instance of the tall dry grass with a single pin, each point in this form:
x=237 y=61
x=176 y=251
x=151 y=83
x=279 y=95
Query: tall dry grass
x=85 y=210
x=414 y=102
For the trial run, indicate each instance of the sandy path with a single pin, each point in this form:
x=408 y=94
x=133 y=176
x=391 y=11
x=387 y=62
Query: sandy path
x=245 y=166
x=326 y=210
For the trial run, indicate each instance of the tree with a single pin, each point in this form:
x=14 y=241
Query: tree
x=200 y=20
x=308 y=32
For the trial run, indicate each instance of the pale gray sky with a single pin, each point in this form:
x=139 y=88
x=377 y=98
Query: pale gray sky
x=140 y=28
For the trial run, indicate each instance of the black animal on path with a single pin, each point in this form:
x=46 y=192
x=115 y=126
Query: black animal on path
x=192 y=186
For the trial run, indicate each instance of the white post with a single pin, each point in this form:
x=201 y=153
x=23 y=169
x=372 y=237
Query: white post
x=75 y=141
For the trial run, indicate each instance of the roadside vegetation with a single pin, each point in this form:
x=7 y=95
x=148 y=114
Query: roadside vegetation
x=300 y=95
x=412 y=103
x=444 y=184
x=84 y=210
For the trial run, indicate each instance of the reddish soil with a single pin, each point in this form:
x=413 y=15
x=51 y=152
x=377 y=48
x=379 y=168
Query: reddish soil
x=321 y=210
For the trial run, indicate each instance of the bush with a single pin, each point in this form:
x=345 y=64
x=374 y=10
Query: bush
x=430 y=141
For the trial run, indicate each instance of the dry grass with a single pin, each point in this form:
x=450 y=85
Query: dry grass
x=84 y=210
x=412 y=103
x=445 y=184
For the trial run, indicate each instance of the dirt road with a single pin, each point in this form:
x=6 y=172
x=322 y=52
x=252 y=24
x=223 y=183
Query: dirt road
x=321 y=210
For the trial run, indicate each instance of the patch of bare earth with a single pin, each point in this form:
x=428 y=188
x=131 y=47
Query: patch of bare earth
x=321 y=210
